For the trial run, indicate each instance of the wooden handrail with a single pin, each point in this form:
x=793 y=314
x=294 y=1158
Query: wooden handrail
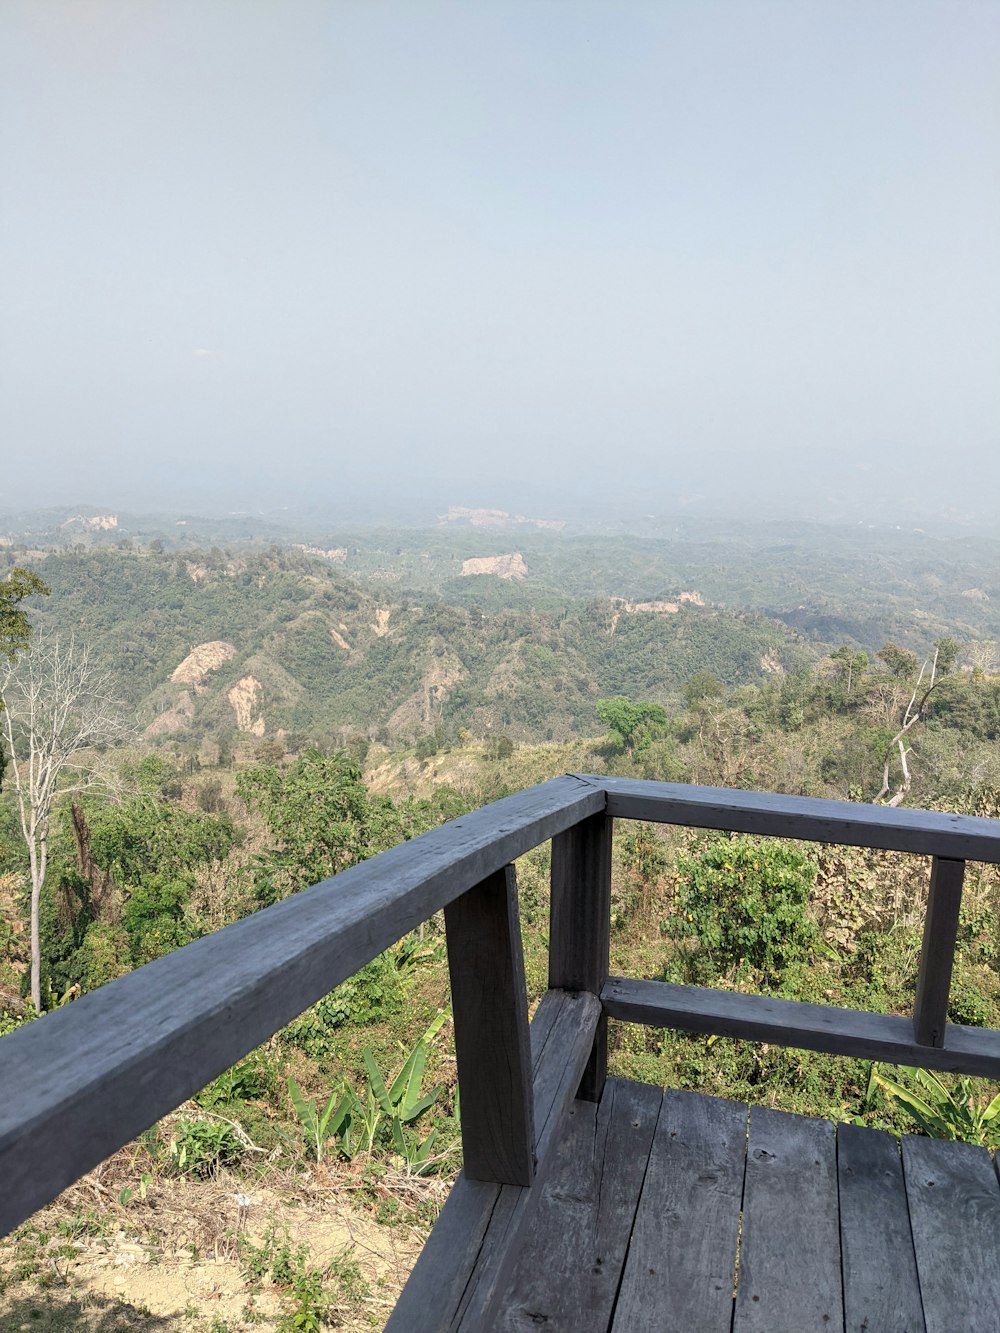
x=86 y=1079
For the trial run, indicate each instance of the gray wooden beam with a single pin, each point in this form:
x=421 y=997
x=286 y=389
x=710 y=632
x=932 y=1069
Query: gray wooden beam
x=490 y=1007
x=937 y=956
x=474 y=1242
x=88 y=1078
x=580 y=926
x=925 y=832
x=811 y=1027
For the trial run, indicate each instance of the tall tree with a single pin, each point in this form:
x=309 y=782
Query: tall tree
x=58 y=707
x=630 y=725
x=15 y=628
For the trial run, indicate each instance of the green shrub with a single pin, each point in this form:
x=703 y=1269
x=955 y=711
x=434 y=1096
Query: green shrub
x=744 y=900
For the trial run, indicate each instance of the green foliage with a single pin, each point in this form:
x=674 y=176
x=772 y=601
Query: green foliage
x=374 y=993
x=382 y=1117
x=958 y=1113
x=15 y=627
x=744 y=901
x=702 y=687
x=200 y=1147
x=148 y=837
x=250 y=1078
x=320 y=815
x=899 y=662
x=631 y=726
x=321 y=1123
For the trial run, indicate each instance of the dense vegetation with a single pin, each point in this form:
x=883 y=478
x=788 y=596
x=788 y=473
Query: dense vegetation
x=447 y=696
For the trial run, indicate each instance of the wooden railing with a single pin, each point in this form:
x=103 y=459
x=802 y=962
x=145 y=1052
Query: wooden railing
x=88 y=1078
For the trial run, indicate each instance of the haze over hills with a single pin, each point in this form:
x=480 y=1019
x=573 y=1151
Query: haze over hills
x=490 y=621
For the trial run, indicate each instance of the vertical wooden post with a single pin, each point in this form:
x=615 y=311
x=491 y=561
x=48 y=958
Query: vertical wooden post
x=938 y=953
x=486 y=966
x=580 y=927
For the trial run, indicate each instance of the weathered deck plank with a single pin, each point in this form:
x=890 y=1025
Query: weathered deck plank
x=881 y=1290
x=954 y=1204
x=467 y=1252
x=681 y=1261
x=580 y=1231
x=838 y=1231
x=789 y=1275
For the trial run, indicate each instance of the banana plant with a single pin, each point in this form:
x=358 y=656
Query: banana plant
x=939 y=1111
x=335 y=1118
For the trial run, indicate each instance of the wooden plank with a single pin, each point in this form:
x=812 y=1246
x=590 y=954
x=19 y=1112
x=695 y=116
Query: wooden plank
x=811 y=1027
x=954 y=1207
x=789 y=1273
x=879 y=1270
x=580 y=926
x=925 y=832
x=465 y=1254
x=566 y=1053
x=937 y=956
x=91 y=1076
x=571 y=1260
x=681 y=1260
x=490 y=1007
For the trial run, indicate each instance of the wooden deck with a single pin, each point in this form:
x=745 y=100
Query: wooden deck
x=686 y=1213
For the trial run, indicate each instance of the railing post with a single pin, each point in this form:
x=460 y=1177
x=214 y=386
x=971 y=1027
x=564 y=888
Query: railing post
x=486 y=966
x=580 y=927
x=937 y=956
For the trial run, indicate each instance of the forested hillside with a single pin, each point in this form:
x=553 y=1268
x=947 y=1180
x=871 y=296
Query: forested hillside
x=285 y=715
x=318 y=653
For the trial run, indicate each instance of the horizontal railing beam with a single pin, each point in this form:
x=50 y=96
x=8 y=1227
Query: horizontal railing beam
x=923 y=832
x=87 y=1078
x=810 y=1027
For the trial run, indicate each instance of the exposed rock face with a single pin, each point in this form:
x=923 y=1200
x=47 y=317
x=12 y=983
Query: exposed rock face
x=334 y=553
x=976 y=594
x=660 y=608
x=98 y=523
x=381 y=626
x=510 y=566
x=200 y=661
x=772 y=663
x=243 y=697
x=478 y=517
x=177 y=718
x=339 y=639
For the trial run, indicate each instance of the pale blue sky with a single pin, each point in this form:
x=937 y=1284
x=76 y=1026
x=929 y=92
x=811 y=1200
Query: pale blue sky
x=257 y=250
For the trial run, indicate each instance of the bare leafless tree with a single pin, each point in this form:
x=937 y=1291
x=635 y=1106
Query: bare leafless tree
x=912 y=714
x=60 y=712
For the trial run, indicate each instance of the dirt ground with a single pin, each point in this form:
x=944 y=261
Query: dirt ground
x=172 y=1260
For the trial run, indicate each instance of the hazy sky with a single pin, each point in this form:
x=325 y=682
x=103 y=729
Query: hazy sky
x=258 y=250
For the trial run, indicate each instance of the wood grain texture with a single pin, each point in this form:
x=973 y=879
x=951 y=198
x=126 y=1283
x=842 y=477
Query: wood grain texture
x=570 y=1264
x=881 y=1290
x=490 y=1007
x=681 y=1260
x=925 y=832
x=954 y=1204
x=466 y=1251
x=580 y=926
x=789 y=1274
x=91 y=1076
x=560 y=1069
x=937 y=955
x=811 y=1027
